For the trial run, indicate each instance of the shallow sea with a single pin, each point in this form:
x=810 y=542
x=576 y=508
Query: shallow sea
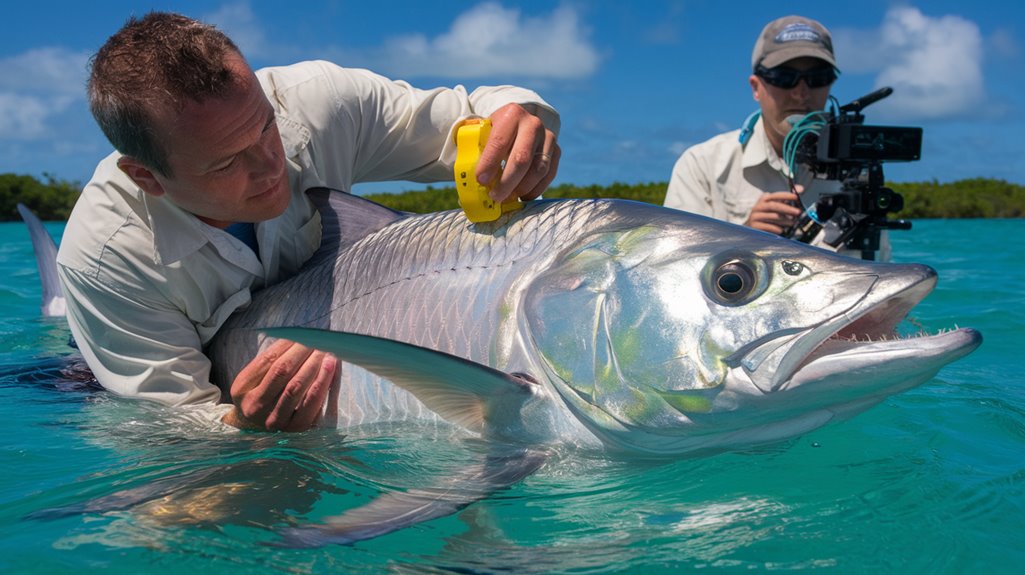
x=930 y=481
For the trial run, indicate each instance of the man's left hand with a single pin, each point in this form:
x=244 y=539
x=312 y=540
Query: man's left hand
x=775 y=212
x=529 y=150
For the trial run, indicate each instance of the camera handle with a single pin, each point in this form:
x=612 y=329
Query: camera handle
x=854 y=217
x=872 y=201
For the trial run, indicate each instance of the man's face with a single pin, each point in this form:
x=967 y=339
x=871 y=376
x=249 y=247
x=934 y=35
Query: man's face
x=779 y=103
x=226 y=157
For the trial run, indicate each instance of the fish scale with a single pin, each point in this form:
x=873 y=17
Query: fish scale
x=413 y=282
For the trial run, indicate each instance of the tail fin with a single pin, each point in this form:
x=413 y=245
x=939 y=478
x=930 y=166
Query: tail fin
x=46 y=260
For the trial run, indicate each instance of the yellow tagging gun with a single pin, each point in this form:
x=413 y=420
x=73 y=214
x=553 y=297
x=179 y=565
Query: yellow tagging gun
x=471 y=137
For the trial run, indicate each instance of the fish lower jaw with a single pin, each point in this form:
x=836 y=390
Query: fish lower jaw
x=890 y=364
x=875 y=324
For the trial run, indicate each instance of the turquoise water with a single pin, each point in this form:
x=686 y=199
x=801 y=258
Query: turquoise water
x=930 y=481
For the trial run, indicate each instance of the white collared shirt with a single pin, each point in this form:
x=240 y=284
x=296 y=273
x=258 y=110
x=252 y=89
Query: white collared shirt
x=148 y=285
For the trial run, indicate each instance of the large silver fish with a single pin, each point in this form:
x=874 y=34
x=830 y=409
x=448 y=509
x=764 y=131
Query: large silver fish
x=639 y=328
x=617 y=325
x=625 y=326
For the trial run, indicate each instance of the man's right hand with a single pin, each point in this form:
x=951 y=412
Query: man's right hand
x=775 y=212
x=283 y=389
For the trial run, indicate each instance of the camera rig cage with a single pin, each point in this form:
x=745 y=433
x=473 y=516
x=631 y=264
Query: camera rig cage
x=837 y=145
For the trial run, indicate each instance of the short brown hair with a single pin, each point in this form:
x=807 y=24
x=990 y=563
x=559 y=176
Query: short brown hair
x=160 y=61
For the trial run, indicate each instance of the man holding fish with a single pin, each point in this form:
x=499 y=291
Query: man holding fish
x=203 y=201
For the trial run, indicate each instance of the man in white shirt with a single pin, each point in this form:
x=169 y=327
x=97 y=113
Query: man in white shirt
x=204 y=201
x=740 y=176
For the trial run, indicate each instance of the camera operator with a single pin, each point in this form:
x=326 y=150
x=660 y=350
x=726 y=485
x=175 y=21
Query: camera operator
x=739 y=176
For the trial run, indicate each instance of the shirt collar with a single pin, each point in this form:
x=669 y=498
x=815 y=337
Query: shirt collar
x=759 y=151
x=177 y=233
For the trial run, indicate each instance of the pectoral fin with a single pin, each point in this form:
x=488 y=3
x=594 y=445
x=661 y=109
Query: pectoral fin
x=461 y=391
x=398 y=510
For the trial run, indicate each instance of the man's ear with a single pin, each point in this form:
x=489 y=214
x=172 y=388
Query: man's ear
x=141 y=175
x=753 y=80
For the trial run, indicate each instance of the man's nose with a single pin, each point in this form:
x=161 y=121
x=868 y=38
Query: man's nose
x=266 y=159
x=801 y=91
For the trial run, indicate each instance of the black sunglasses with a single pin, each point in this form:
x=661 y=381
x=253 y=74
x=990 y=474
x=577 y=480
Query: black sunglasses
x=786 y=78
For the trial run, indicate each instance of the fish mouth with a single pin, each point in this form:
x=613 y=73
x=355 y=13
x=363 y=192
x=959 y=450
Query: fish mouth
x=868 y=328
x=880 y=320
x=872 y=324
x=859 y=342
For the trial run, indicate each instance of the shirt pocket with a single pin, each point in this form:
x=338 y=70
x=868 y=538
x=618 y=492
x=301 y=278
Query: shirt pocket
x=736 y=206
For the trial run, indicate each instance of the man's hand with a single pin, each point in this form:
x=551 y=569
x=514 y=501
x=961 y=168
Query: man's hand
x=775 y=211
x=529 y=150
x=283 y=388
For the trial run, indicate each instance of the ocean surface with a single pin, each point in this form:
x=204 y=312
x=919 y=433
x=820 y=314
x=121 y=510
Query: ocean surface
x=930 y=481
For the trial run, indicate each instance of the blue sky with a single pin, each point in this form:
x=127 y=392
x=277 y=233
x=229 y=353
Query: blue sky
x=635 y=82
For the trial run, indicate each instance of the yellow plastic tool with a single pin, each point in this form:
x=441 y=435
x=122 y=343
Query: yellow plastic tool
x=471 y=137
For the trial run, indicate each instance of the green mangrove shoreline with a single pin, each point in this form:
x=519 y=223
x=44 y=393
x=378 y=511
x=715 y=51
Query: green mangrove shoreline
x=53 y=199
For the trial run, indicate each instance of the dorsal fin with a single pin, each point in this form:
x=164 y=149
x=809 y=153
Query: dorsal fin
x=46 y=260
x=346 y=219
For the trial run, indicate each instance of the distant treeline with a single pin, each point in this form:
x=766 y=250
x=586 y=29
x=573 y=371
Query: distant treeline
x=974 y=198
x=440 y=199
x=51 y=200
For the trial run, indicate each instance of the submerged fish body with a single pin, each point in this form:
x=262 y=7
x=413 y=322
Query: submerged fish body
x=630 y=326
x=617 y=324
x=622 y=326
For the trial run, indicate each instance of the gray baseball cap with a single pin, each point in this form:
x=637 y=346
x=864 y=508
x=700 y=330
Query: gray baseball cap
x=792 y=37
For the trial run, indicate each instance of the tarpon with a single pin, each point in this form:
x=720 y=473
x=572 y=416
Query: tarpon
x=627 y=327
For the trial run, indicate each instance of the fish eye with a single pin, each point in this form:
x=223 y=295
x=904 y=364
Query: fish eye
x=733 y=281
x=792 y=268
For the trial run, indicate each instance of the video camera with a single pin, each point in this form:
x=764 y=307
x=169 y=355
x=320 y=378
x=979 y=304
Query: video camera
x=837 y=145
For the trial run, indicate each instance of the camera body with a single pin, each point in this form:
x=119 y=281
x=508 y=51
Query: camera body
x=843 y=148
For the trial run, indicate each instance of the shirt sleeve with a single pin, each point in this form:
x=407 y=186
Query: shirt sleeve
x=136 y=347
x=689 y=186
x=391 y=130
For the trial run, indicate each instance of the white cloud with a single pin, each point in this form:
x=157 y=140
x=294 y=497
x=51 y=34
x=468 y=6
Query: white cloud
x=939 y=72
x=22 y=117
x=37 y=85
x=676 y=149
x=45 y=70
x=489 y=40
x=241 y=25
x=933 y=64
